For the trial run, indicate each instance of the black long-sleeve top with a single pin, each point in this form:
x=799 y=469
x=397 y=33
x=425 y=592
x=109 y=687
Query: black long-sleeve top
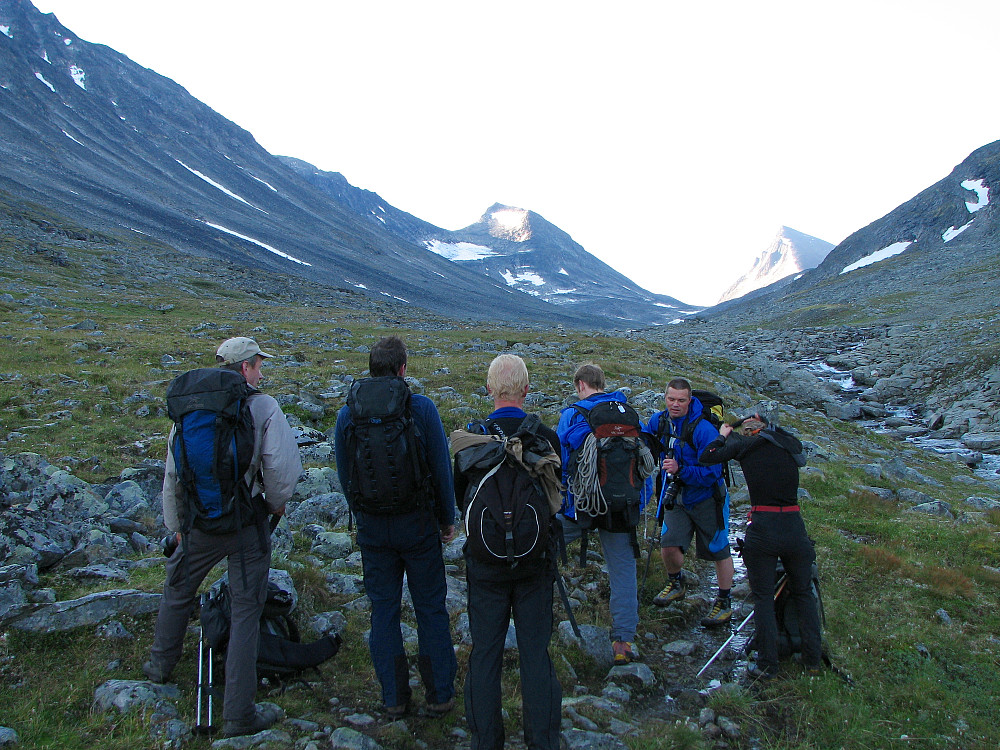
x=771 y=473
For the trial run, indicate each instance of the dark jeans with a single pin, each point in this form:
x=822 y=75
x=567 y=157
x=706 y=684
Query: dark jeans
x=771 y=536
x=180 y=591
x=496 y=593
x=411 y=544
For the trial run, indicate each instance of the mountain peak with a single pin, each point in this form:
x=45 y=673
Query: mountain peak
x=790 y=252
x=508 y=222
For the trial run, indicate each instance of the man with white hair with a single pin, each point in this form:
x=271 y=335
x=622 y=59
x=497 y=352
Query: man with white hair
x=497 y=591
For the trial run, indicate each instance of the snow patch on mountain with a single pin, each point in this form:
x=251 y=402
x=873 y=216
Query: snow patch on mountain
x=267 y=247
x=459 y=251
x=215 y=184
x=79 y=76
x=886 y=252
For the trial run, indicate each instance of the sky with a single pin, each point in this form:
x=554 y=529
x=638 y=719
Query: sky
x=672 y=140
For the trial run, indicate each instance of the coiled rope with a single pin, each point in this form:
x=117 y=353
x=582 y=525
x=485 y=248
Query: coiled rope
x=585 y=482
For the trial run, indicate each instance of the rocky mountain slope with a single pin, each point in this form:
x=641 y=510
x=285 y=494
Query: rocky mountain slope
x=935 y=257
x=789 y=253
x=514 y=247
x=116 y=147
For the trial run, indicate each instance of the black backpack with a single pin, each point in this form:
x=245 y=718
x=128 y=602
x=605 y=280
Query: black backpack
x=390 y=474
x=607 y=472
x=281 y=655
x=787 y=614
x=213 y=448
x=508 y=517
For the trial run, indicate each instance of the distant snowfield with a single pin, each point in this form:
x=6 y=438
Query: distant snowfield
x=886 y=252
x=525 y=277
x=982 y=195
x=72 y=138
x=214 y=184
x=41 y=78
x=270 y=249
x=79 y=76
x=5 y=30
x=458 y=251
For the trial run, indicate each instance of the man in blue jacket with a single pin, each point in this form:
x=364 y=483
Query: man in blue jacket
x=405 y=539
x=701 y=508
x=618 y=551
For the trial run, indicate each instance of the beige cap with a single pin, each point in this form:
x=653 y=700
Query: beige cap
x=238 y=349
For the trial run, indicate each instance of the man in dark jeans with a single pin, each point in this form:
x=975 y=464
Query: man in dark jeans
x=497 y=591
x=407 y=542
x=770 y=459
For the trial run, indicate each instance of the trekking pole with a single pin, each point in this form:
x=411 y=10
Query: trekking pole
x=201 y=681
x=653 y=539
x=784 y=580
x=211 y=687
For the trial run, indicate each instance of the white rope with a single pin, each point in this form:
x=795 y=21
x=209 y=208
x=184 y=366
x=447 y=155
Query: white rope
x=585 y=483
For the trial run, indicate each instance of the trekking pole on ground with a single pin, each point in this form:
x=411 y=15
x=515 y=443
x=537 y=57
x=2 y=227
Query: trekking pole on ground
x=203 y=689
x=781 y=585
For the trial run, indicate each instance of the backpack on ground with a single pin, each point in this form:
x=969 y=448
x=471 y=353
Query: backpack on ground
x=390 y=474
x=212 y=449
x=281 y=655
x=513 y=491
x=787 y=614
x=608 y=470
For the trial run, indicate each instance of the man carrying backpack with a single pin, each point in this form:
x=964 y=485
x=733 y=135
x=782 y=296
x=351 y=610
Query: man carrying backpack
x=694 y=501
x=616 y=531
x=393 y=463
x=500 y=588
x=770 y=458
x=237 y=531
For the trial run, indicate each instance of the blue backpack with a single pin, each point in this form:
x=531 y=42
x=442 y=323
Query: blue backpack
x=212 y=449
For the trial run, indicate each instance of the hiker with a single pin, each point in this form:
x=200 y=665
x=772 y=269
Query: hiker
x=618 y=541
x=274 y=471
x=522 y=588
x=393 y=463
x=694 y=500
x=770 y=458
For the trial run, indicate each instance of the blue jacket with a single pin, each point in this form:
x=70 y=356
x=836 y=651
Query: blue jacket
x=698 y=480
x=572 y=431
x=435 y=443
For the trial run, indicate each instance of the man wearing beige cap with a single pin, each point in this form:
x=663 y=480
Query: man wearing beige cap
x=236 y=531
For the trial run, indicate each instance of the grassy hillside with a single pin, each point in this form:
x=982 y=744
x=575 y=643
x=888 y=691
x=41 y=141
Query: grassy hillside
x=92 y=329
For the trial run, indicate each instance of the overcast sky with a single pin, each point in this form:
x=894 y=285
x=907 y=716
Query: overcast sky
x=672 y=140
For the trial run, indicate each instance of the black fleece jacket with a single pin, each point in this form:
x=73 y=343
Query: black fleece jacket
x=771 y=473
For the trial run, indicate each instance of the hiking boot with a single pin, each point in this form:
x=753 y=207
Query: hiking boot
x=156 y=672
x=440 y=709
x=623 y=652
x=757 y=676
x=721 y=614
x=397 y=711
x=261 y=720
x=674 y=591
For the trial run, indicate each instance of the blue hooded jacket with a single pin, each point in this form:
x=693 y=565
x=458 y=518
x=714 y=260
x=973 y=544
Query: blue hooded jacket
x=573 y=430
x=698 y=480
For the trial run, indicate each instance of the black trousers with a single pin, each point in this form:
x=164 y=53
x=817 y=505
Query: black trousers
x=495 y=594
x=770 y=537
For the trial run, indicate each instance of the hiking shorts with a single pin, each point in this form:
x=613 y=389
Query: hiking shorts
x=679 y=524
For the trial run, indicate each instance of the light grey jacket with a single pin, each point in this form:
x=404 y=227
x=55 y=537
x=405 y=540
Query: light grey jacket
x=275 y=454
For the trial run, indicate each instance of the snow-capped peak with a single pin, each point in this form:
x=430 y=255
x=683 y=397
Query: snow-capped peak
x=507 y=223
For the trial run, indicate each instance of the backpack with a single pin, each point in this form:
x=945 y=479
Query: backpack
x=390 y=475
x=213 y=449
x=787 y=615
x=281 y=655
x=512 y=494
x=608 y=470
